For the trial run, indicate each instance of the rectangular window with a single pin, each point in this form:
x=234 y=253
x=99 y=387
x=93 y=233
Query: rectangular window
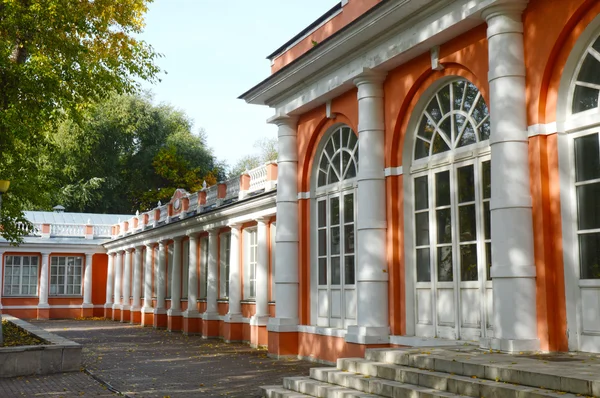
x=185 y=268
x=225 y=257
x=203 y=267
x=65 y=275
x=20 y=275
x=251 y=262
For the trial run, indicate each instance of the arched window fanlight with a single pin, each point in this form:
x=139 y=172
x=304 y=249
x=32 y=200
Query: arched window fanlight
x=455 y=117
x=339 y=159
x=586 y=89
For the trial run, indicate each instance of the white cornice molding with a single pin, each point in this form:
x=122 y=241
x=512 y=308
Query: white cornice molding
x=393 y=171
x=53 y=249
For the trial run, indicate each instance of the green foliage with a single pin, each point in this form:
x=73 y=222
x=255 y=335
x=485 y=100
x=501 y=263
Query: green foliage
x=127 y=154
x=267 y=152
x=57 y=57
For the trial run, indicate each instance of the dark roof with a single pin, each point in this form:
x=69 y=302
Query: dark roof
x=310 y=27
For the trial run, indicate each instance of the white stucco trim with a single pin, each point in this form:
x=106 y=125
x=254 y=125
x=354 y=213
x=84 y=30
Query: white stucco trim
x=413 y=341
x=303 y=195
x=542 y=129
x=322 y=331
x=393 y=171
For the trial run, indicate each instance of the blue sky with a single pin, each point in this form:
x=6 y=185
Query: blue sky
x=215 y=50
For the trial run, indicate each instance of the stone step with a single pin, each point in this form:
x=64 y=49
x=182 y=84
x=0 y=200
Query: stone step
x=280 y=392
x=491 y=366
x=442 y=381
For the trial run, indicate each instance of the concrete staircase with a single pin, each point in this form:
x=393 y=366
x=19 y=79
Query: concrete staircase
x=447 y=372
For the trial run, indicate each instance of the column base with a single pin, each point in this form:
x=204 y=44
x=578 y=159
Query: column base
x=174 y=321
x=116 y=312
x=87 y=310
x=125 y=314
x=510 y=345
x=281 y=325
x=368 y=334
x=210 y=325
x=43 y=311
x=233 y=328
x=136 y=316
x=160 y=318
x=108 y=310
x=147 y=316
x=192 y=322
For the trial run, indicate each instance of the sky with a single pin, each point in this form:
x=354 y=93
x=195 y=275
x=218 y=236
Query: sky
x=215 y=50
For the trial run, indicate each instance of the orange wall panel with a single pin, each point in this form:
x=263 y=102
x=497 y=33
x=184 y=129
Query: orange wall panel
x=99 y=275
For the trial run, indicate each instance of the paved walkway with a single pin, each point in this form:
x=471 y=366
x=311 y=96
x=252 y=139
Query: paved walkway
x=142 y=362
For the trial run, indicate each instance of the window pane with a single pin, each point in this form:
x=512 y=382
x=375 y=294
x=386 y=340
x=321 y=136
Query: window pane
x=335 y=240
x=334 y=211
x=322 y=242
x=589 y=251
x=422 y=228
x=442 y=189
x=468 y=263
x=488 y=260
x=467 y=225
x=348 y=208
x=423 y=266
x=26 y=260
x=587 y=157
x=336 y=277
x=444 y=269
x=444 y=226
x=468 y=136
x=349 y=239
x=322 y=271
x=439 y=145
x=466 y=184
x=349 y=270
x=584 y=98
x=436 y=114
x=322 y=213
x=421 y=148
x=34 y=261
x=486 y=180
x=421 y=194
x=9 y=260
x=588 y=200
x=487 y=226
x=589 y=70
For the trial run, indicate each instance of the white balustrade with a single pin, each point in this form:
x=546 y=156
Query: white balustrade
x=233 y=188
x=193 y=202
x=102 y=231
x=258 y=178
x=67 y=230
x=211 y=195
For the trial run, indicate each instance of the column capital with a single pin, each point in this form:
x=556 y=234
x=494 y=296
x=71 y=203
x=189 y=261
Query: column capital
x=45 y=253
x=193 y=235
x=178 y=238
x=263 y=219
x=213 y=232
x=88 y=254
x=284 y=120
x=370 y=76
x=235 y=226
x=504 y=8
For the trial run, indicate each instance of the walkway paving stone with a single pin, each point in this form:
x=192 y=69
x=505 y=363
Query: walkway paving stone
x=143 y=362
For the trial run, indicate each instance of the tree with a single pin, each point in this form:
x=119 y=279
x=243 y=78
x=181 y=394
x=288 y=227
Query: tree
x=267 y=152
x=57 y=57
x=127 y=154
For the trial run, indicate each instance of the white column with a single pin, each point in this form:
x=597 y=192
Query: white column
x=161 y=278
x=126 y=303
x=137 y=279
x=1 y=286
x=286 y=254
x=212 y=311
x=235 y=285
x=45 y=271
x=262 y=268
x=147 y=308
x=118 y=279
x=110 y=280
x=371 y=270
x=175 y=309
x=192 y=276
x=87 y=281
x=513 y=266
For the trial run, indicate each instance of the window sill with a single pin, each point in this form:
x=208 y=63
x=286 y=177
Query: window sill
x=19 y=296
x=65 y=296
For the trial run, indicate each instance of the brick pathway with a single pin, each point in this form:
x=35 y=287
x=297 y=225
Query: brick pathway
x=142 y=362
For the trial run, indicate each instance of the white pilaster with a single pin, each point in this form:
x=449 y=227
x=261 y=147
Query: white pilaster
x=147 y=308
x=126 y=303
x=371 y=267
x=137 y=279
x=192 y=276
x=513 y=267
x=161 y=278
x=261 y=316
x=286 y=237
x=235 y=286
x=212 y=312
x=1 y=286
x=110 y=280
x=87 y=281
x=118 y=280
x=45 y=271
x=175 y=309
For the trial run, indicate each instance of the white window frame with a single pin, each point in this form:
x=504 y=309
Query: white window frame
x=203 y=268
x=70 y=270
x=250 y=262
x=21 y=274
x=224 y=256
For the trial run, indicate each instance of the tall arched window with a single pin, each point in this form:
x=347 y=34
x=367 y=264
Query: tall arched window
x=451 y=215
x=335 y=214
x=586 y=87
